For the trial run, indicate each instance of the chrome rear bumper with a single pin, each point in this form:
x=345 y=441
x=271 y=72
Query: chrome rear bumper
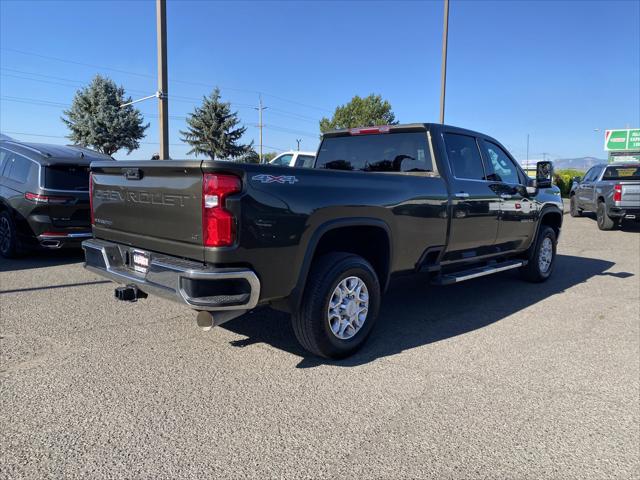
x=185 y=281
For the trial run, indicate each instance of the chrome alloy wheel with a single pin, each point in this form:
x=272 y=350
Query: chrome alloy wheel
x=348 y=308
x=5 y=234
x=546 y=255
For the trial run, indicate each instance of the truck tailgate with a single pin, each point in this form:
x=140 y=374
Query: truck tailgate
x=152 y=205
x=630 y=195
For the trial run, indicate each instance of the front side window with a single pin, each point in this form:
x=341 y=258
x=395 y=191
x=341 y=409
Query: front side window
x=464 y=156
x=500 y=168
x=283 y=160
x=386 y=152
x=591 y=174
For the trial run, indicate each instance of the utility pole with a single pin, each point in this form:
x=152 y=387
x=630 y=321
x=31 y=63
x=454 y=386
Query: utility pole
x=163 y=103
x=445 y=36
x=298 y=140
x=260 y=108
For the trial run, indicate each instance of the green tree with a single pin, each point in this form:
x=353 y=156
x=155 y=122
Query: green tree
x=360 y=112
x=213 y=130
x=268 y=156
x=97 y=119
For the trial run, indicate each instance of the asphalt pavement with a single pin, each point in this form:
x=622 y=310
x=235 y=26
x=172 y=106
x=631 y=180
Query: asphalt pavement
x=492 y=378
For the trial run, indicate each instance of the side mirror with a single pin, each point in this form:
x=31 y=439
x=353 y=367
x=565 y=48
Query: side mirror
x=576 y=179
x=544 y=174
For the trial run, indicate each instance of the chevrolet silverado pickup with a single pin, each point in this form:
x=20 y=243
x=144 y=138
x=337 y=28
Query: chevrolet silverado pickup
x=612 y=191
x=322 y=243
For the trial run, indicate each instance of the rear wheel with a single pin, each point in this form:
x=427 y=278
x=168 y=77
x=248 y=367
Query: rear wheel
x=8 y=238
x=575 y=211
x=339 y=307
x=541 y=257
x=605 y=222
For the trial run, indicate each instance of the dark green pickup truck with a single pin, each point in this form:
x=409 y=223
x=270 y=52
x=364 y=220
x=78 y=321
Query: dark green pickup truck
x=322 y=243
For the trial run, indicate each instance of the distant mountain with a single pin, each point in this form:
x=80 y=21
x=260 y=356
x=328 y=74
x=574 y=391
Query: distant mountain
x=582 y=163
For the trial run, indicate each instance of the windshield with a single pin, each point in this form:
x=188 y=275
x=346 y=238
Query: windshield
x=622 y=172
x=66 y=177
x=391 y=152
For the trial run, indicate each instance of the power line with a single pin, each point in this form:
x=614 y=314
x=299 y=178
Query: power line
x=67 y=138
x=175 y=98
x=146 y=75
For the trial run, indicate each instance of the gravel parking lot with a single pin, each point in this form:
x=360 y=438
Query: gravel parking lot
x=492 y=378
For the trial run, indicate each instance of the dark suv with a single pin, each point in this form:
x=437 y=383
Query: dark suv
x=44 y=196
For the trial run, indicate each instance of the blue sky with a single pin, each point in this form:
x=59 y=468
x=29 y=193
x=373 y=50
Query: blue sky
x=552 y=69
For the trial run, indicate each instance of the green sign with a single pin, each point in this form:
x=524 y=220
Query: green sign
x=621 y=140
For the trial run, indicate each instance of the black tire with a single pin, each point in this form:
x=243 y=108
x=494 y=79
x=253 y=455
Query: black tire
x=605 y=222
x=574 y=211
x=311 y=322
x=9 y=247
x=533 y=270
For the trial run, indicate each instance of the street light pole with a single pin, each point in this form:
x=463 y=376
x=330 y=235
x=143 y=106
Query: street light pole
x=260 y=108
x=163 y=103
x=443 y=81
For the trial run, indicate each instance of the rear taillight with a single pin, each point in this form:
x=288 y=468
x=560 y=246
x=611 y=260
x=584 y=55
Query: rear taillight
x=47 y=199
x=617 y=193
x=218 y=224
x=369 y=130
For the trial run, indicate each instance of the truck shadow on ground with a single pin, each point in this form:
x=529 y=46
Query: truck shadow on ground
x=630 y=226
x=415 y=314
x=40 y=259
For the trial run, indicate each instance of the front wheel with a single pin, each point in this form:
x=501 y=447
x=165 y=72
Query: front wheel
x=339 y=306
x=605 y=222
x=541 y=257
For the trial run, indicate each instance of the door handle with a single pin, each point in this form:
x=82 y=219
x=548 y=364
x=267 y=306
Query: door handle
x=462 y=195
x=505 y=196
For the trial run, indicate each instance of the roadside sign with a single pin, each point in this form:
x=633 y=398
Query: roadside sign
x=619 y=140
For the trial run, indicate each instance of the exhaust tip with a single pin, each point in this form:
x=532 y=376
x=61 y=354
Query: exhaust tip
x=207 y=320
x=204 y=320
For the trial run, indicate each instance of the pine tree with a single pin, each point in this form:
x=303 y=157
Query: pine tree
x=213 y=130
x=96 y=118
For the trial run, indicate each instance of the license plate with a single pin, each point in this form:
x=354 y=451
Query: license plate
x=140 y=261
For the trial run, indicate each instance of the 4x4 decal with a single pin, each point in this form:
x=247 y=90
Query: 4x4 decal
x=264 y=178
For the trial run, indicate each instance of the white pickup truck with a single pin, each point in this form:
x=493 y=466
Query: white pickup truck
x=294 y=159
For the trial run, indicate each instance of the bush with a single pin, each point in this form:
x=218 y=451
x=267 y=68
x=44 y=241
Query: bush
x=563 y=178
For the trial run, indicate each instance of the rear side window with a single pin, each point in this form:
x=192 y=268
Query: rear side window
x=622 y=172
x=66 y=177
x=19 y=169
x=388 y=152
x=500 y=168
x=464 y=156
x=305 y=161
